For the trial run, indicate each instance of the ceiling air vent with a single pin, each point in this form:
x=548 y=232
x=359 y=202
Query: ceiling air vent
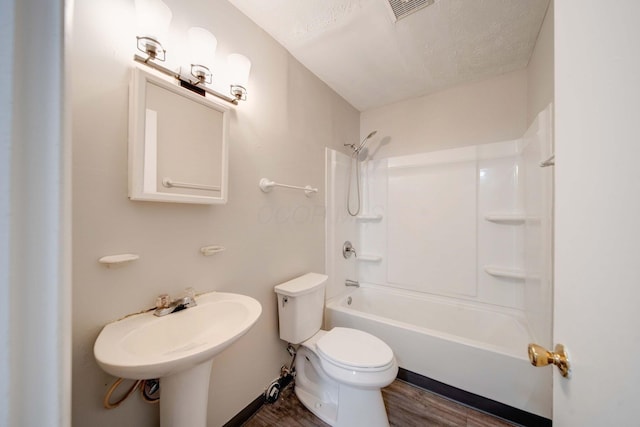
x=404 y=8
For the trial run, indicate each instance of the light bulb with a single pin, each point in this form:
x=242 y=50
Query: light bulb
x=202 y=46
x=154 y=17
x=239 y=68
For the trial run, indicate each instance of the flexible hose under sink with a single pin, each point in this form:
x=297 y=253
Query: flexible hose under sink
x=143 y=385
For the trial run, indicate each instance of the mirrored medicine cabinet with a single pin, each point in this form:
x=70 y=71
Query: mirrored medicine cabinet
x=177 y=143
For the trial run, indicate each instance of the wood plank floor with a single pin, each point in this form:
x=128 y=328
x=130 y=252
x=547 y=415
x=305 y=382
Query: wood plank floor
x=406 y=404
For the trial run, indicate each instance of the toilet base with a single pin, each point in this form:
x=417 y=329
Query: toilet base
x=324 y=410
x=364 y=408
x=336 y=404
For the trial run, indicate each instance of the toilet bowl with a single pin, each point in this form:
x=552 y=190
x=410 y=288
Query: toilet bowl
x=344 y=391
x=339 y=373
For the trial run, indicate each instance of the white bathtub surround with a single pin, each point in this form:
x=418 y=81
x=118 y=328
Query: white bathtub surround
x=433 y=235
x=538 y=196
x=339 y=225
x=431 y=223
x=468 y=228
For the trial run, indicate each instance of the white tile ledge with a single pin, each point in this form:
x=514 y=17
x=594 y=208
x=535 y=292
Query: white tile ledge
x=369 y=258
x=505 y=272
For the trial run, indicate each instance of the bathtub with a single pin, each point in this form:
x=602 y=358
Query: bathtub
x=478 y=349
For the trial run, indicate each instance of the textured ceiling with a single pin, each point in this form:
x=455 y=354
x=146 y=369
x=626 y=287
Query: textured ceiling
x=359 y=50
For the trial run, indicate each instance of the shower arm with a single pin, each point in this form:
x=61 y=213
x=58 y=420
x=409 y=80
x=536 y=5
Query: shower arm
x=357 y=149
x=353 y=147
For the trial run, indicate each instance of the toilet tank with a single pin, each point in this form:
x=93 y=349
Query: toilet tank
x=300 y=307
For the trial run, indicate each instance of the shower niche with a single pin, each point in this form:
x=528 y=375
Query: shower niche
x=177 y=143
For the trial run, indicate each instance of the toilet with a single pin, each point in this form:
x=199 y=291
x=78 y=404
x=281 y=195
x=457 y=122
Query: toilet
x=339 y=373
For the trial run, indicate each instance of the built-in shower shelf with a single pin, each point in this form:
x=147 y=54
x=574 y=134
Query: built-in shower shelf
x=369 y=218
x=369 y=258
x=509 y=273
x=506 y=217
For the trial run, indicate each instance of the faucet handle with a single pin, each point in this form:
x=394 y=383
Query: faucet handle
x=163 y=301
x=348 y=249
x=189 y=297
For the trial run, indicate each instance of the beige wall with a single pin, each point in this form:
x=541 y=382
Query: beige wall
x=279 y=133
x=540 y=70
x=491 y=110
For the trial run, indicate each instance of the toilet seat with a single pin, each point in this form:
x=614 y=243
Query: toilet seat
x=355 y=350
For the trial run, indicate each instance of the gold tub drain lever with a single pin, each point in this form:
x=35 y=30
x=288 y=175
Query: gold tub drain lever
x=540 y=356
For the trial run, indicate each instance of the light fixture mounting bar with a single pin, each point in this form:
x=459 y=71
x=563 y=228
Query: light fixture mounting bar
x=164 y=70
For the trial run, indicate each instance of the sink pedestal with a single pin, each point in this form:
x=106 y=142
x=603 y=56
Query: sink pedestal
x=184 y=397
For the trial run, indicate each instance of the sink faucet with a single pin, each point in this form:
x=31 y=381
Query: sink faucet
x=165 y=306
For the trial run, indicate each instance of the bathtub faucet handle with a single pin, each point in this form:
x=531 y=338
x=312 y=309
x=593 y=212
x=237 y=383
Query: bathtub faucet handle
x=348 y=249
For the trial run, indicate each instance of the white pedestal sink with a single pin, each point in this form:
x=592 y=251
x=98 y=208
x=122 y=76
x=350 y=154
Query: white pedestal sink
x=177 y=348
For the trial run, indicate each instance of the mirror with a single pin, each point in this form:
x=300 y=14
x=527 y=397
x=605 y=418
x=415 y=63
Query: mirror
x=177 y=143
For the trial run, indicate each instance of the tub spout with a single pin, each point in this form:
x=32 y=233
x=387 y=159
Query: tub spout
x=354 y=283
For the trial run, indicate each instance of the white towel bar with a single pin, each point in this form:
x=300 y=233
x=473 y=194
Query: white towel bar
x=267 y=185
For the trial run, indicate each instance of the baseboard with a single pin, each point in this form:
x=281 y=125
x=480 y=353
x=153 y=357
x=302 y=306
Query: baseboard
x=244 y=415
x=475 y=401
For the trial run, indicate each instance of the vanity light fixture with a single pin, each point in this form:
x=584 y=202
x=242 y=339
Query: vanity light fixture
x=154 y=17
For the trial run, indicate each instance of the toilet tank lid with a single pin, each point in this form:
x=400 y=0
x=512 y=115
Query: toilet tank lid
x=301 y=285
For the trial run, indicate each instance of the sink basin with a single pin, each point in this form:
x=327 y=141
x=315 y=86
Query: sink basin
x=144 y=346
x=177 y=348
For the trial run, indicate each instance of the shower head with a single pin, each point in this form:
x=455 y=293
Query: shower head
x=364 y=141
x=357 y=149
